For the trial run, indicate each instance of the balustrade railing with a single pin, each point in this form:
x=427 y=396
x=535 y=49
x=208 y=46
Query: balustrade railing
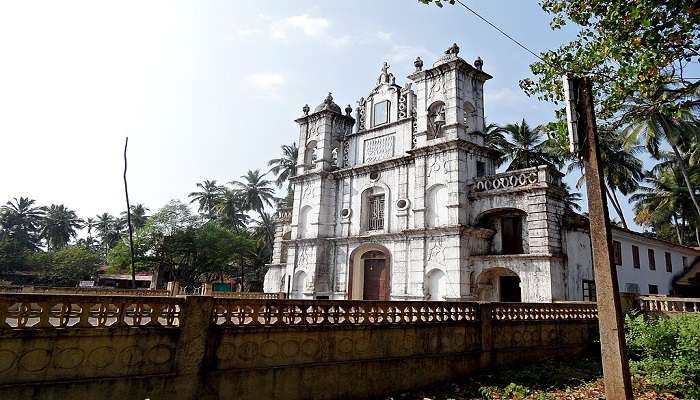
x=517 y=179
x=284 y=215
x=664 y=304
x=343 y=312
x=249 y=295
x=544 y=311
x=82 y=311
x=30 y=311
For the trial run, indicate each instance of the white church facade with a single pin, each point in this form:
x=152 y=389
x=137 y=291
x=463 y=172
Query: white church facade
x=400 y=200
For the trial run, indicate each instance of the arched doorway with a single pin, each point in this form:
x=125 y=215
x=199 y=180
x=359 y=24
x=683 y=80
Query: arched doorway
x=299 y=285
x=370 y=273
x=499 y=284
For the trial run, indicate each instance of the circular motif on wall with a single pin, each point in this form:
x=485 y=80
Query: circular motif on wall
x=290 y=348
x=269 y=349
x=345 y=345
x=159 y=354
x=101 y=357
x=226 y=351
x=374 y=175
x=345 y=213
x=35 y=360
x=69 y=358
x=402 y=204
x=7 y=360
x=131 y=356
x=309 y=347
x=248 y=351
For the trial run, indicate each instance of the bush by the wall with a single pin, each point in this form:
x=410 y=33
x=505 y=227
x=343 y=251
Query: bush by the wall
x=666 y=351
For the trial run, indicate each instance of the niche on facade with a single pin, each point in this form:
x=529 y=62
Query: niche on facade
x=436 y=120
x=436 y=206
x=310 y=155
x=469 y=117
x=436 y=285
x=299 y=284
x=285 y=247
x=510 y=226
x=499 y=284
x=374 y=209
x=303 y=224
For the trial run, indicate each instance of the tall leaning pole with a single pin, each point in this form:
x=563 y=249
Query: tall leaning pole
x=583 y=139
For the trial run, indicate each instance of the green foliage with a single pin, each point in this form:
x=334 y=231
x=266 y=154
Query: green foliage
x=68 y=266
x=666 y=352
x=515 y=391
x=12 y=255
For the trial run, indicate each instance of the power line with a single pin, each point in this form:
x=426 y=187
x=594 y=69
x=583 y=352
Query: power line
x=506 y=35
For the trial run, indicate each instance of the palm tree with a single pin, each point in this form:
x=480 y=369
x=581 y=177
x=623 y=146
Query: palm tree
x=230 y=211
x=138 y=215
x=663 y=200
x=652 y=122
x=265 y=228
x=207 y=197
x=20 y=220
x=527 y=147
x=59 y=226
x=285 y=166
x=494 y=137
x=255 y=191
x=571 y=199
x=109 y=229
x=622 y=169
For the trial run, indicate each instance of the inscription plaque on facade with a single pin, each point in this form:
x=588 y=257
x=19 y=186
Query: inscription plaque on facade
x=379 y=148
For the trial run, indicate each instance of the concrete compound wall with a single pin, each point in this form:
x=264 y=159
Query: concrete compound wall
x=112 y=347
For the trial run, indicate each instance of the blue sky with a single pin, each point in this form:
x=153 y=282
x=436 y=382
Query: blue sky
x=210 y=89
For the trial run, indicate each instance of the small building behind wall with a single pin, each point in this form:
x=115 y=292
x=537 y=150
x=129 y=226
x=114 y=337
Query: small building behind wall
x=399 y=199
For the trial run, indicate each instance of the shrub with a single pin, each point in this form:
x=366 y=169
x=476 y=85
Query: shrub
x=666 y=351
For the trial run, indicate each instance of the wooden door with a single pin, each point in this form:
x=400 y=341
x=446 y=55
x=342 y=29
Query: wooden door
x=375 y=279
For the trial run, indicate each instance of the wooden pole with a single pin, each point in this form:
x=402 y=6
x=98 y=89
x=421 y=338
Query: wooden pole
x=616 y=376
x=128 y=221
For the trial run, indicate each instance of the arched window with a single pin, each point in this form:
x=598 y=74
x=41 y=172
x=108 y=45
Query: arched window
x=310 y=155
x=298 y=284
x=436 y=285
x=303 y=222
x=436 y=119
x=469 y=116
x=436 y=206
x=375 y=205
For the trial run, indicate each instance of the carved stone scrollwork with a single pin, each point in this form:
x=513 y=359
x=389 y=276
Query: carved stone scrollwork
x=403 y=105
x=361 y=114
x=506 y=180
x=346 y=153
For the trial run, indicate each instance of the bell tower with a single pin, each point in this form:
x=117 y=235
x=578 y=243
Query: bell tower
x=321 y=135
x=450 y=99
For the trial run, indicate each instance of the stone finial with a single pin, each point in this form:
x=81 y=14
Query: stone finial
x=306 y=109
x=454 y=49
x=329 y=98
x=348 y=110
x=479 y=63
x=384 y=76
x=418 y=64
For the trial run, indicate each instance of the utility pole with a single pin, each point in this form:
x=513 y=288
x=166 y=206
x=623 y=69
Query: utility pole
x=128 y=222
x=583 y=138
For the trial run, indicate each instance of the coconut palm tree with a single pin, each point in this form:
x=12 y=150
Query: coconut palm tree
x=230 y=210
x=265 y=228
x=664 y=199
x=138 y=215
x=652 y=122
x=59 y=225
x=20 y=220
x=255 y=191
x=207 y=197
x=285 y=166
x=622 y=169
x=527 y=147
x=109 y=229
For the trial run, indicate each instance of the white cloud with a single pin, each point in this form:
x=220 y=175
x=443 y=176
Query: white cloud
x=268 y=82
x=308 y=25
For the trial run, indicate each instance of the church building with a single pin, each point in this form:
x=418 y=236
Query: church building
x=400 y=199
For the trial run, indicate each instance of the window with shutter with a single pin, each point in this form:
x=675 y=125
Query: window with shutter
x=376 y=213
